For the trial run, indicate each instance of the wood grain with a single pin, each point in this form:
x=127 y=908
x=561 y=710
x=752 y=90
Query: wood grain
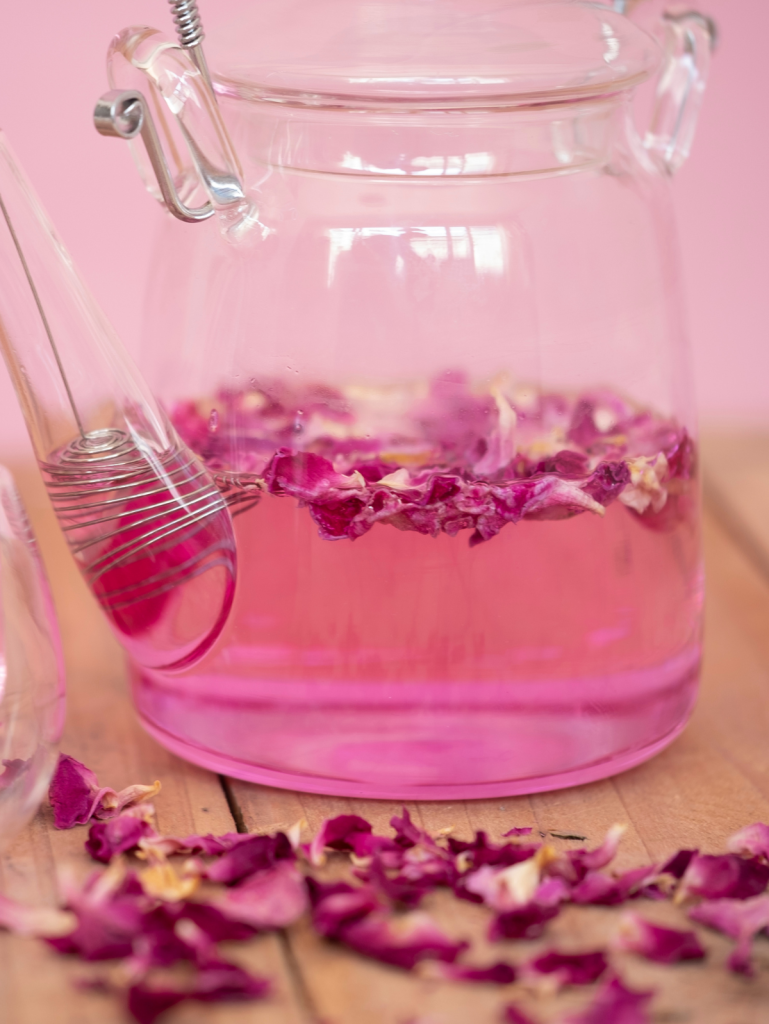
x=713 y=779
x=36 y=985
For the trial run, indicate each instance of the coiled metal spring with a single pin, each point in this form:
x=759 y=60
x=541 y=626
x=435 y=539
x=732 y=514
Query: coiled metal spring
x=187 y=20
x=119 y=507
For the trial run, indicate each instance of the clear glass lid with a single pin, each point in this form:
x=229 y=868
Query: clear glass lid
x=468 y=52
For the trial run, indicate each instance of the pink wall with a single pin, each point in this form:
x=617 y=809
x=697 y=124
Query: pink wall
x=52 y=71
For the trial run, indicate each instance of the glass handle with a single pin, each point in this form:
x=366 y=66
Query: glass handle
x=159 y=94
x=690 y=39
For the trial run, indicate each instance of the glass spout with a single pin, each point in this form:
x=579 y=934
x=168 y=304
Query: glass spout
x=144 y=520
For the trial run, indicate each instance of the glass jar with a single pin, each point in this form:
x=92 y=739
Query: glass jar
x=31 y=670
x=434 y=355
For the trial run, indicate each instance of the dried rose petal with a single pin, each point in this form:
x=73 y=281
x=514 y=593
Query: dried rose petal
x=663 y=945
x=504 y=889
x=274 y=898
x=573 y=865
x=741 y=919
x=476 y=469
x=568 y=968
x=107 y=839
x=146 y=1004
x=76 y=796
x=255 y=853
x=339 y=905
x=615 y=1004
x=678 y=863
x=42 y=922
x=407 y=890
x=514 y=1015
x=216 y=982
x=752 y=840
x=402 y=941
x=605 y=890
x=219 y=927
x=406 y=832
x=497 y=974
x=109 y=908
x=724 y=875
x=74 y=793
x=518 y=832
x=481 y=851
x=210 y=845
x=522 y=923
x=341 y=833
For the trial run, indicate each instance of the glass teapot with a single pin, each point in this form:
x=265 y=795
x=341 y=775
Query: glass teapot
x=422 y=332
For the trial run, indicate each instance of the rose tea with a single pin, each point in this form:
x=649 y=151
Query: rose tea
x=444 y=591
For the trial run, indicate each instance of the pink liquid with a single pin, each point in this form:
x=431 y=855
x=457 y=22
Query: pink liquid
x=400 y=665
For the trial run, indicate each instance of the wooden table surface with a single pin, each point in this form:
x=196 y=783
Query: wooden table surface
x=713 y=779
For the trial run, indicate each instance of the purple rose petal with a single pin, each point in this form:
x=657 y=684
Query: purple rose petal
x=497 y=974
x=752 y=840
x=217 y=982
x=338 y=905
x=109 y=909
x=342 y=833
x=273 y=898
x=514 y=1015
x=402 y=941
x=740 y=919
x=76 y=796
x=107 y=839
x=678 y=863
x=568 y=968
x=522 y=923
x=42 y=922
x=724 y=875
x=662 y=945
x=254 y=853
x=74 y=793
x=615 y=1004
x=518 y=832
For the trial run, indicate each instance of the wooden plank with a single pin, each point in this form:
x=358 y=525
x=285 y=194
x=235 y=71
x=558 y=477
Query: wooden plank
x=103 y=732
x=736 y=472
x=712 y=780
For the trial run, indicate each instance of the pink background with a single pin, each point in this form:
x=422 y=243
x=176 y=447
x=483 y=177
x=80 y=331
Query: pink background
x=52 y=71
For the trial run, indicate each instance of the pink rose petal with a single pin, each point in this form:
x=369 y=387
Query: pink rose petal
x=615 y=1004
x=678 y=863
x=663 y=945
x=74 y=793
x=497 y=974
x=342 y=833
x=523 y=923
x=107 y=839
x=273 y=898
x=740 y=919
x=216 y=982
x=752 y=840
x=110 y=908
x=76 y=796
x=337 y=905
x=725 y=875
x=514 y=1015
x=568 y=968
x=402 y=941
x=42 y=922
x=254 y=853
